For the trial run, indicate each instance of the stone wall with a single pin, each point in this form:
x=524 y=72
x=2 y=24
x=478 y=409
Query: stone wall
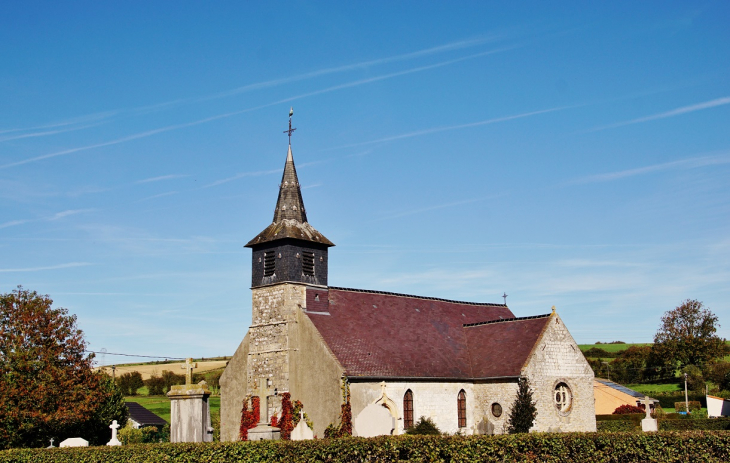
x=282 y=345
x=557 y=359
x=315 y=375
x=435 y=400
x=233 y=391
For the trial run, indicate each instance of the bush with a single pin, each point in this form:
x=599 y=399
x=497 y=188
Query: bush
x=695 y=380
x=617 y=426
x=597 y=352
x=129 y=383
x=693 y=406
x=719 y=373
x=172 y=379
x=627 y=409
x=705 y=424
x=424 y=426
x=155 y=385
x=706 y=446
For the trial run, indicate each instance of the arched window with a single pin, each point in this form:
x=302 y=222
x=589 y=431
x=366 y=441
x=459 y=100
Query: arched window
x=461 y=402
x=408 y=410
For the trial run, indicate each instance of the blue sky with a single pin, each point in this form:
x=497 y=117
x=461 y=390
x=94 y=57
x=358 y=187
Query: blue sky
x=575 y=155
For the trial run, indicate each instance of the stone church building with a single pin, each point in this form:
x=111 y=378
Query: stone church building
x=410 y=356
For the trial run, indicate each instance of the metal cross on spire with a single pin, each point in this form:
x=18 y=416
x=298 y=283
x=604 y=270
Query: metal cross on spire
x=291 y=113
x=504 y=295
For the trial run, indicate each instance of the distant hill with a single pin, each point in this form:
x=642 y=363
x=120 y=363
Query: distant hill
x=148 y=369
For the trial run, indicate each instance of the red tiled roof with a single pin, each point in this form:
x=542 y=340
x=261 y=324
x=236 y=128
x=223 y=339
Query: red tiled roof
x=502 y=348
x=376 y=334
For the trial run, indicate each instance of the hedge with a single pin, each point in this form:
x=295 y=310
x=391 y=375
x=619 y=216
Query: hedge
x=694 y=424
x=668 y=400
x=558 y=448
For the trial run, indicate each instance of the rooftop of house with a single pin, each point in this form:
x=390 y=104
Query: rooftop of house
x=142 y=416
x=376 y=334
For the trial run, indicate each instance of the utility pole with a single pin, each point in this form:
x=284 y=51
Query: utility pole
x=686 y=400
x=114 y=372
x=608 y=369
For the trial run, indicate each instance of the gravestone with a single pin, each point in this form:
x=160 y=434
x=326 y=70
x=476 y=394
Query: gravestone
x=302 y=431
x=74 y=442
x=190 y=410
x=648 y=424
x=374 y=420
x=485 y=427
x=114 y=441
x=263 y=431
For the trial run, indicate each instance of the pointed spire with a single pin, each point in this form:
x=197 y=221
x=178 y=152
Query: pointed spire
x=290 y=204
x=290 y=217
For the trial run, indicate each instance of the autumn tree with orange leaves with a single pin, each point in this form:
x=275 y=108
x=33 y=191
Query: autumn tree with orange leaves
x=47 y=386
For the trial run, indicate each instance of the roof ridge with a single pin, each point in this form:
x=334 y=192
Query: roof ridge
x=486 y=304
x=466 y=325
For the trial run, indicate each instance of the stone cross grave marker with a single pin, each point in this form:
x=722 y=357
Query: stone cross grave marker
x=189 y=366
x=114 y=441
x=264 y=391
x=648 y=424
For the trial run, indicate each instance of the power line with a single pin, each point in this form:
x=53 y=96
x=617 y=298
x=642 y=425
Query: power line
x=133 y=355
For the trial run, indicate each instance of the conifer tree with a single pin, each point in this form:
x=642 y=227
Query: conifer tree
x=524 y=411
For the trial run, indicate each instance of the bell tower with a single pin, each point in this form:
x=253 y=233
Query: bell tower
x=289 y=250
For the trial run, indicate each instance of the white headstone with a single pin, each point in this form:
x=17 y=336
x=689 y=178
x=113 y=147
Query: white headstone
x=114 y=441
x=648 y=424
x=374 y=420
x=74 y=442
x=302 y=431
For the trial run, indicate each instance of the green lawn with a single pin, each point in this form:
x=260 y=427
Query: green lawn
x=652 y=388
x=160 y=404
x=612 y=347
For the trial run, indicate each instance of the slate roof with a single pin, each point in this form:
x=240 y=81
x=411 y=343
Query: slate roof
x=386 y=335
x=290 y=217
x=143 y=416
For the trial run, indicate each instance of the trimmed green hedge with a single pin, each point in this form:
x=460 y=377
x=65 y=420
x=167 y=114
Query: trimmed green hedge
x=558 y=448
x=618 y=426
x=706 y=424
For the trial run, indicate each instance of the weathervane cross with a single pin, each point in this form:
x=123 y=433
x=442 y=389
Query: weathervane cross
x=504 y=295
x=291 y=113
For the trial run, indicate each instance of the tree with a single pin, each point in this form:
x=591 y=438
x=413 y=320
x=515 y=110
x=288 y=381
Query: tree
x=687 y=336
x=47 y=386
x=524 y=410
x=424 y=426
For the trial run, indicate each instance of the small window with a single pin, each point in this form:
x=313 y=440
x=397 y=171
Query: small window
x=461 y=403
x=496 y=410
x=269 y=263
x=408 y=410
x=563 y=398
x=308 y=263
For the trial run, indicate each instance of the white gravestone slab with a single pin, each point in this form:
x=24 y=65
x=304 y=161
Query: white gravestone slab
x=74 y=442
x=114 y=441
x=302 y=431
x=374 y=420
x=648 y=424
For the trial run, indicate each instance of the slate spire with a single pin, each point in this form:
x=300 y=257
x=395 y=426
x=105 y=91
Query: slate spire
x=290 y=204
x=290 y=217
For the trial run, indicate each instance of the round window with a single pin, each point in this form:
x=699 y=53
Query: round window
x=496 y=410
x=563 y=398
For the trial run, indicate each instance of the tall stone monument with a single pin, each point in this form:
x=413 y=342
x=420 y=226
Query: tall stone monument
x=190 y=409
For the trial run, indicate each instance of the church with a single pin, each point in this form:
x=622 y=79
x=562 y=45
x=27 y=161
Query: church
x=403 y=356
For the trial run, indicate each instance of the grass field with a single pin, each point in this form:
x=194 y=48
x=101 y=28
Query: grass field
x=652 y=388
x=611 y=347
x=160 y=405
